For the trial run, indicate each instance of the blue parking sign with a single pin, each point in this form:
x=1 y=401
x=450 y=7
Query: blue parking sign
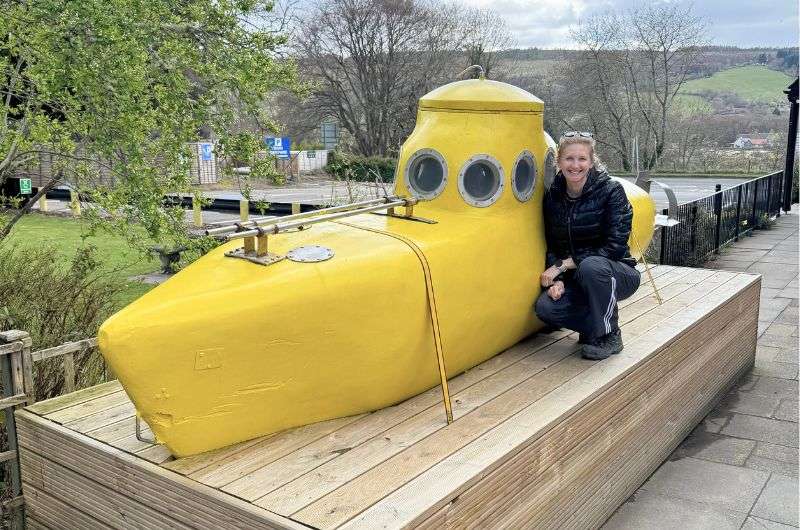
x=279 y=146
x=205 y=151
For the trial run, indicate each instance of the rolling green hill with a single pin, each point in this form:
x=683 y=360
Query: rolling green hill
x=756 y=84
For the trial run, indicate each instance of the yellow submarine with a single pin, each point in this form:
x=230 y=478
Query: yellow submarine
x=350 y=315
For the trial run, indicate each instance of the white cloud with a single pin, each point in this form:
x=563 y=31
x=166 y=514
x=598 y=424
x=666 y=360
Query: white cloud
x=546 y=23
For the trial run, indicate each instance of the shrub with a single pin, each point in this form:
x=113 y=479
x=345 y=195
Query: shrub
x=345 y=166
x=56 y=303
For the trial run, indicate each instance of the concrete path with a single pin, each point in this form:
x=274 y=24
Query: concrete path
x=739 y=468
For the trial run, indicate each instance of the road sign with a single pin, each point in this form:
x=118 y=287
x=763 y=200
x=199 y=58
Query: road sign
x=25 y=187
x=205 y=151
x=279 y=146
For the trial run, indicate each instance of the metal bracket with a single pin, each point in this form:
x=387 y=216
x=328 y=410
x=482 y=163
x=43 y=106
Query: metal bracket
x=267 y=259
x=408 y=217
x=139 y=435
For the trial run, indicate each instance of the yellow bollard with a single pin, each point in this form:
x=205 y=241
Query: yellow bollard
x=244 y=210
x=43 y=203
x=74 y=203
x=295 y=208
x=197 y=213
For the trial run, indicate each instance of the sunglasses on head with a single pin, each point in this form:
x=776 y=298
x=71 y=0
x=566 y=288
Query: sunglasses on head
x=582 y=134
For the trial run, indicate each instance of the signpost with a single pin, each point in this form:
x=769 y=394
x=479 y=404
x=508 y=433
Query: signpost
x=205 y=151
x=25 y=187
x=279 y=146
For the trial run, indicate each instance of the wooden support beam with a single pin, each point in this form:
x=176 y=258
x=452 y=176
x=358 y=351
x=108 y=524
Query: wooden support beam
x=69 y=372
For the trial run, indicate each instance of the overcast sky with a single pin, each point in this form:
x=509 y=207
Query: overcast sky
x=744 y=23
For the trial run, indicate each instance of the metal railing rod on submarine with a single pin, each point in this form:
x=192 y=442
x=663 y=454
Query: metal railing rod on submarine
x=277 y=225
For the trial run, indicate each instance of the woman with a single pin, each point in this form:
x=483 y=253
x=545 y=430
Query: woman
x=589 y=268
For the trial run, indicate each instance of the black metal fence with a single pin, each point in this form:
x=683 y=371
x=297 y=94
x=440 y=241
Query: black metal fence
x=707 y=224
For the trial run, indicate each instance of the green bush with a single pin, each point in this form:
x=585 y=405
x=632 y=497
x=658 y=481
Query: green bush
x=56 y=303
x=345 y=166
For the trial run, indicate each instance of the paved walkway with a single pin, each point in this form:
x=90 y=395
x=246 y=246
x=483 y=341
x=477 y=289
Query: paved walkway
x=739 y=468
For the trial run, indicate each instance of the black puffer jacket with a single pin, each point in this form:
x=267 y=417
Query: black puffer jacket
x=598 y=223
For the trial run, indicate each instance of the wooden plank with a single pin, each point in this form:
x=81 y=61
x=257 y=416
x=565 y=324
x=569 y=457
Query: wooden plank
x=113 y=432
x=69 y=372
x=6 y=349
x=498 y=444
x=95 y=500
x=91 y=409
x=33 y=524
x=49 y=406
x=357 y=461
x=52 y=512
x=66 y=348
x=13 y=401
x=183 y=499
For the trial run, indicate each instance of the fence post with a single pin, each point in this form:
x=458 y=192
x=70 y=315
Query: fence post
x=74 y=203
x=12 y=367
x=738 y=213
x=663 y=252
x=769 y=195
x=718 y=213
x=693 y=233
x=755 y=205
x=780 y=194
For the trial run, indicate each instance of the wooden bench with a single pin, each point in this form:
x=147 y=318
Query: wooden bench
x=541 y=438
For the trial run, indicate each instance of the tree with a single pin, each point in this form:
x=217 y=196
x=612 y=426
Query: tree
x=485 y=34
x=120 y=87
x=628 y=79
x=370 y=61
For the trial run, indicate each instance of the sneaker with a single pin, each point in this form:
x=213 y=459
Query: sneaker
x=604 y=347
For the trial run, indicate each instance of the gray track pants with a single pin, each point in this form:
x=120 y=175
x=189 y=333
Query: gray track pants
x=589 y=302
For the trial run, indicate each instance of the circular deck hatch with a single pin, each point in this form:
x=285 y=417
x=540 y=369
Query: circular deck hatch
x=310 y=254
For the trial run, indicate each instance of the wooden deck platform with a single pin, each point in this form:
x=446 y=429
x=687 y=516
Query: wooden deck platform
x=541 y=438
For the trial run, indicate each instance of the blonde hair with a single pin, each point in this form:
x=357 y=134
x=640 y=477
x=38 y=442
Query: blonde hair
x=565 y=141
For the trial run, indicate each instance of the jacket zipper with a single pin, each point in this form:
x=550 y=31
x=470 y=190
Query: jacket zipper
x=569 y=228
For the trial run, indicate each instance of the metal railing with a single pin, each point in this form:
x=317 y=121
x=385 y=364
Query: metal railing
x=707 y=224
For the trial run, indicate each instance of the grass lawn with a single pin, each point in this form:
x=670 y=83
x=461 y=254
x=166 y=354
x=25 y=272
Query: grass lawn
x=67 y=235
x=753 y=83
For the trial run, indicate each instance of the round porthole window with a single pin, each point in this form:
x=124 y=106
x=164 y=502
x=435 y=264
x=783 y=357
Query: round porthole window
x=481 y=181
x=524 y=179
x=426 y=173
x=549 y=169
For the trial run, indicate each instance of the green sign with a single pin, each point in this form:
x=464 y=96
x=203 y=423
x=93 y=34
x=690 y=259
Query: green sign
x=25 y=187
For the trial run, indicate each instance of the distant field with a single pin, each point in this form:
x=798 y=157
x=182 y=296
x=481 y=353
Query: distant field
x=757 y=84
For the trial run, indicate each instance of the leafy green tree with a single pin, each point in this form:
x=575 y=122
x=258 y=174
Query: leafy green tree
x=116 y=88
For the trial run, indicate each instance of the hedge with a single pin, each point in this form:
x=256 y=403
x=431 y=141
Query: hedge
x=360 y=168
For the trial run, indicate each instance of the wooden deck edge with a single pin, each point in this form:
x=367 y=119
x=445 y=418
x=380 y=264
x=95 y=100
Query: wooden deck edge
x=742 y=300
x=710 y=378
x=179 y=498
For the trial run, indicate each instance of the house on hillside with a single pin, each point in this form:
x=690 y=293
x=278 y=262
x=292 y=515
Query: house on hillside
x=753 y=141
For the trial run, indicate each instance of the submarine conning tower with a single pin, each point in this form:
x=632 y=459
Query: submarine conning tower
x=478 y=146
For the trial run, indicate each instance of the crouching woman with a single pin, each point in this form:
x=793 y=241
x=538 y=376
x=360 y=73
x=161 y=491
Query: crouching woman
x=589 y=267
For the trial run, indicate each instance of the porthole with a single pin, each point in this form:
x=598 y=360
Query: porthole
x=426 y=174
x=481 y=181
x=549 y=169
x=524 y=178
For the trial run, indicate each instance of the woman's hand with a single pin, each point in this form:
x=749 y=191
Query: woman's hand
x=549 y=276
x=569 y=263
x=556 y=290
